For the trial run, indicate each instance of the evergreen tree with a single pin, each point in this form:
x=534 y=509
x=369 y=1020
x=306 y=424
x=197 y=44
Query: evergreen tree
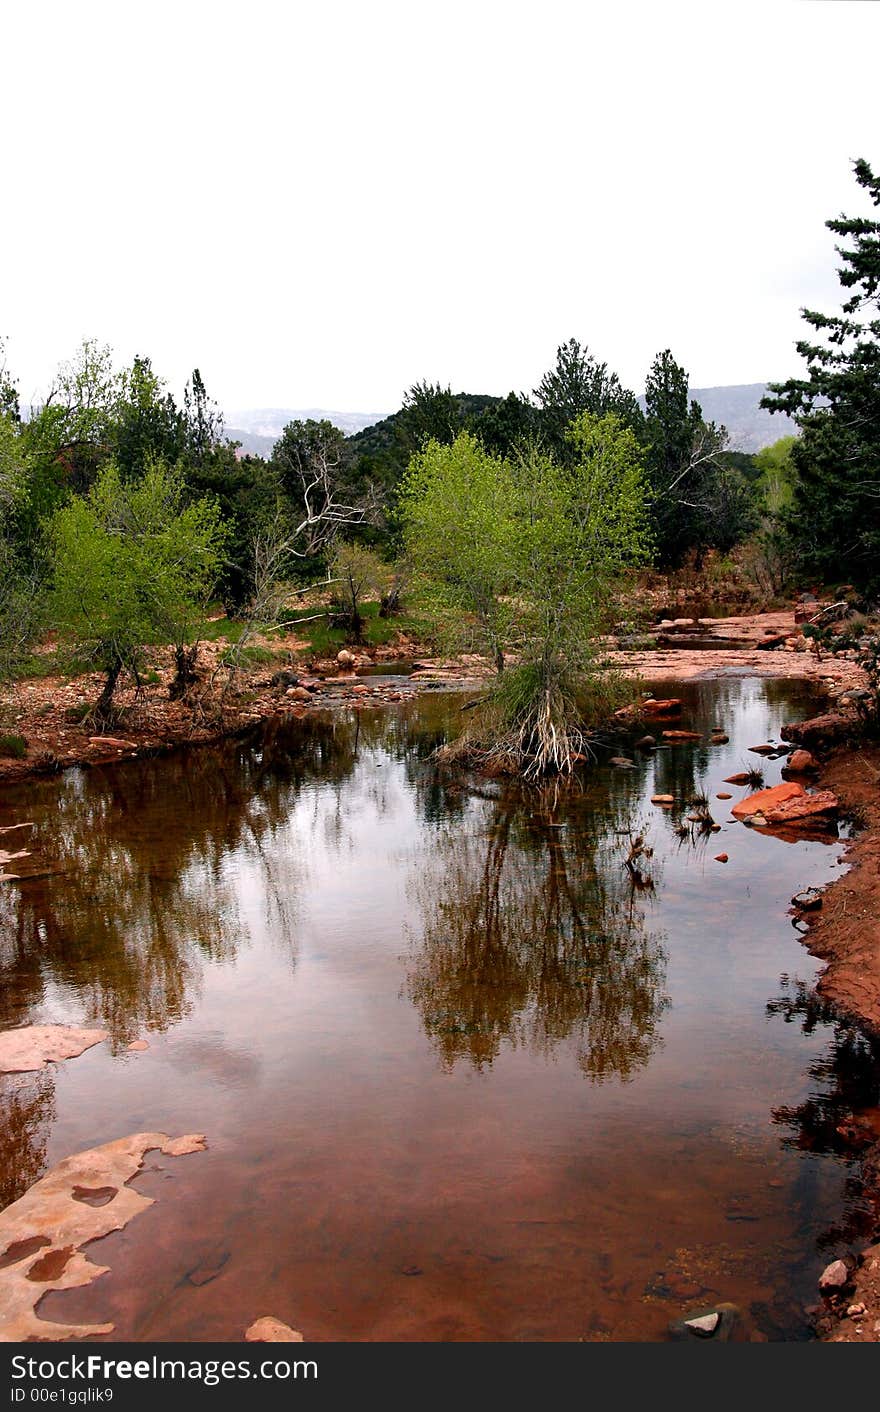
x=579 y=383
x=835 y=515
x=698 y=502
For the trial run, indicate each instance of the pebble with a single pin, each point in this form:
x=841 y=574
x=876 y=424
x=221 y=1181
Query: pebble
x=720 y=857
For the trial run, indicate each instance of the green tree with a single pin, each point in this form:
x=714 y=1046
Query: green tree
x=20 y=576
x=133 y=564
x=69 y=436
x=525 y=554
x=776 y=478
x=697 y=501
x=579 y=383
x=360 y=574
x=145 y=424
x=454 y=507
x=835 y=513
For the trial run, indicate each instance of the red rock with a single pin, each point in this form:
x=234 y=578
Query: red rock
x=299 y=693
x=741 y=778
x=801 y=761
x=662 y=798
x=668 y=707
x=720 y=857
x=681 y=735
x=765 y=799
x=723 y=796
x=821 y=804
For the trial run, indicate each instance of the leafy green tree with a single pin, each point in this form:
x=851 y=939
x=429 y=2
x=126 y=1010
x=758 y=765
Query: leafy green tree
x=8 y=391
x=20 y=577
x=69 y=436
x=835 y=512
x=455 y=510
x=360 y=574
x=775 y=465
x=525 y=553
x=579 y=383
x=133 y=565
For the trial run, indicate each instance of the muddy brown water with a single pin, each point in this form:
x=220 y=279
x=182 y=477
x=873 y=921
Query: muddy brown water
x=460 y=1078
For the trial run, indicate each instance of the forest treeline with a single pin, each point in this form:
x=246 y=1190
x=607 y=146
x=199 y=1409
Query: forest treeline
x=125 y=510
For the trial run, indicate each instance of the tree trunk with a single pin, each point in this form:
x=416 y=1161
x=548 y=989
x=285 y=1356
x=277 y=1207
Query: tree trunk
x=185 y=674
x=104 y=705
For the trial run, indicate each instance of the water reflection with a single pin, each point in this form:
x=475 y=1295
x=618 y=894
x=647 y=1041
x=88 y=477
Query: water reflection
x=533 y=931
x=840 y=1113
x=27 y=1111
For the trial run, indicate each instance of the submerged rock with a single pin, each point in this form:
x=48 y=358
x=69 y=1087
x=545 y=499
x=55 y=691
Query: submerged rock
x=81 y=1200
x=22 y=1051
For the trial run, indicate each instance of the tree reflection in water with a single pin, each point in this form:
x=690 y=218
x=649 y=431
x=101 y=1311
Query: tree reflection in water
x=846 y=1085
x=27 y=1111
x=534 y=932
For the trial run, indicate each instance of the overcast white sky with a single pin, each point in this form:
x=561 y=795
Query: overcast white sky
x=319 y=203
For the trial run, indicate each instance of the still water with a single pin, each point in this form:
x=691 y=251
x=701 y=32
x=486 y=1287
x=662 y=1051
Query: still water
x=460 y=1077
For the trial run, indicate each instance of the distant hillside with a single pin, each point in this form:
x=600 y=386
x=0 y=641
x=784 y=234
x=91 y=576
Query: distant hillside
x=258 y=428
x=735 y=407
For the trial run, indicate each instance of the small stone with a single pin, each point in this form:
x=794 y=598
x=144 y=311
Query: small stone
x=720 y=857
x=345 y=658
x=662 y=798
x=719 y=740
x=138 y=1045
x=834 y=1276
x=704 y=1326
x=622 y=762
x=723 y=796
x=763 y=749
x=299 y=693
x=808 y=900
x=855 y=1311
x=647 y=742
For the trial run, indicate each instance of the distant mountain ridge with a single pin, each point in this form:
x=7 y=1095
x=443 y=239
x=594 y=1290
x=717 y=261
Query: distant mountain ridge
x=736 y=407
x=258 y=428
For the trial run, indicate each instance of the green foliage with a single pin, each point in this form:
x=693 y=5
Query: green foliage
x=133 y=564
x=523 y=556
x=776 y=482
x=579 y=383
x=835 y=508
x=455 y=509
x=361 y=573
x=699 y=501
x=14 y=747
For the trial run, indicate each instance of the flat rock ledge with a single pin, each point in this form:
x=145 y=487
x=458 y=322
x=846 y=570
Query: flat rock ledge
x=82 y=1199
x=24 y=1050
